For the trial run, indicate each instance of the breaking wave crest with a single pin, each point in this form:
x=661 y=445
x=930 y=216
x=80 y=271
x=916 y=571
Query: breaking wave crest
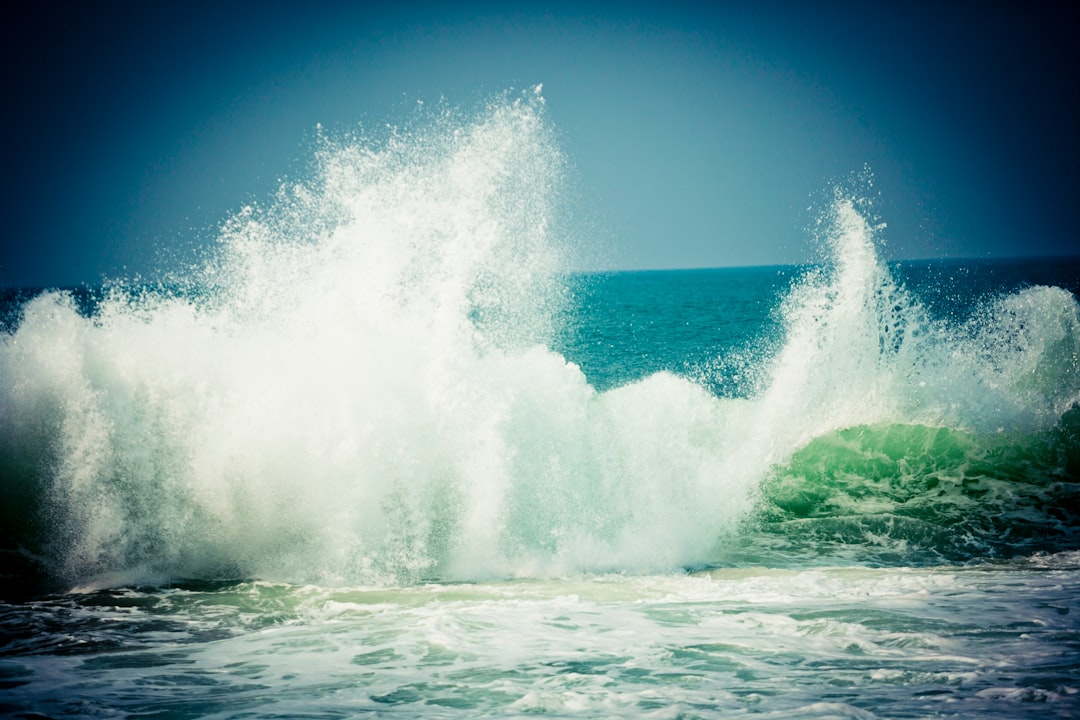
x=358 y=387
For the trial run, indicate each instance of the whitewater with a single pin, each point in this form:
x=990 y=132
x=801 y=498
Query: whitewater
x=379 y=452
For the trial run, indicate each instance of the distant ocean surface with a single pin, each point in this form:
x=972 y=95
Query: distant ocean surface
x=379 y=455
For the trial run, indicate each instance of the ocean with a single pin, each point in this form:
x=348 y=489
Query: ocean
x=380 y=452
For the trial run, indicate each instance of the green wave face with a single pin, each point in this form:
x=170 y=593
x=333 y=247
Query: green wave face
x=902 y=492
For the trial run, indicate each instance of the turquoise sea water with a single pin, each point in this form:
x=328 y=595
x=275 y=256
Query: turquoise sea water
x=380 y=454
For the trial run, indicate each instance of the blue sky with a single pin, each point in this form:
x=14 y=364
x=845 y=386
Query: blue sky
x=698 y=134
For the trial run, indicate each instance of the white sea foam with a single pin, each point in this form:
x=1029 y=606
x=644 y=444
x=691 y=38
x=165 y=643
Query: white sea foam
x=357 y=386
